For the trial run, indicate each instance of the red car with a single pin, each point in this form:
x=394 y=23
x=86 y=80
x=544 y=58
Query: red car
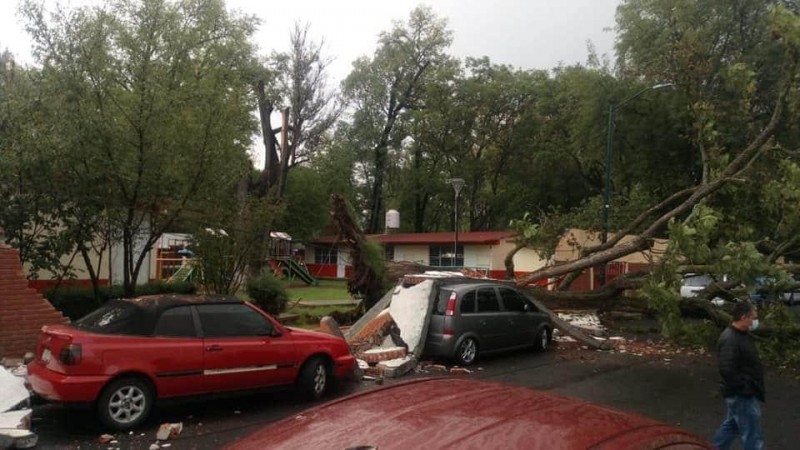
x=128 y=353
x=447 y=413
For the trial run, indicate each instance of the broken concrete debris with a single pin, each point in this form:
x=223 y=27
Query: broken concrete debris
x=328 y=325
x=390 y=341
x=589 y=322
x=169 y=430
x=377 y=354
x=15 y=412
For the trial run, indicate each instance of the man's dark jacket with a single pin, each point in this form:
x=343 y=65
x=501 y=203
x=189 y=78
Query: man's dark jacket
x=739 y=365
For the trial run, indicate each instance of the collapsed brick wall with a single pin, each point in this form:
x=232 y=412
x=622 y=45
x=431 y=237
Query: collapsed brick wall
x=372 y=333
x=23 y=311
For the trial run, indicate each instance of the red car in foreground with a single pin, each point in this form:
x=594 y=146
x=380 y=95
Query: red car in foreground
x=130 y=352
x=447 y=413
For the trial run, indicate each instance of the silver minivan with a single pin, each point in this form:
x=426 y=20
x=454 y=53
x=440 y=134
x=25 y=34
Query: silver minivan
x=469 y=319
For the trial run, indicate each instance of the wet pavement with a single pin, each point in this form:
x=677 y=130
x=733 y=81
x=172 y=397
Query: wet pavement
x=677 y=389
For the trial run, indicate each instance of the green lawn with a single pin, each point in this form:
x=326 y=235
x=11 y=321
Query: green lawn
x=325 y=290
x=309 y=316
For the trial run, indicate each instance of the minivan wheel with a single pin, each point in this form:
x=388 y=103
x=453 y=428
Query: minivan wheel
x=467 y=351
x=542 y=340
x=125 y=403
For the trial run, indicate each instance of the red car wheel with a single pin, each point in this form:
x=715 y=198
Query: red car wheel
x=125 y=403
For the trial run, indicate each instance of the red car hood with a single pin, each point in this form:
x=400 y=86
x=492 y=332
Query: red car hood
x=316 y=335
x=461 y=413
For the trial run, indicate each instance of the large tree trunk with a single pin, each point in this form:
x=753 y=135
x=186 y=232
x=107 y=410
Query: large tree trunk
x=270 y=174
x=509 y=260
x=364 y=280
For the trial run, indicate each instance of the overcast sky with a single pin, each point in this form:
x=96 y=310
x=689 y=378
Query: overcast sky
x=529 y=34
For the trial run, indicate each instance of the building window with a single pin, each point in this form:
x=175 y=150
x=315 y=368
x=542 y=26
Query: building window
x=389 y=252
x=325 y=255
x=442 y=256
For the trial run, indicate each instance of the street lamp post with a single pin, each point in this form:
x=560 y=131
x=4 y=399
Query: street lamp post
x=612 y=114
x=457 y=183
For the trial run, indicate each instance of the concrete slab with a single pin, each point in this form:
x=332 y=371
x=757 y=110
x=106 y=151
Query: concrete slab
x=12 y=390
x=394 y=368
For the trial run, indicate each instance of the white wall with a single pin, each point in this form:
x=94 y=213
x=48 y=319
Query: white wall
x=415 y=253
x=478 y=256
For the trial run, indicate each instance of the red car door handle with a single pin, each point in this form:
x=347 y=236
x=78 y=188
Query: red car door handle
x=214 y=348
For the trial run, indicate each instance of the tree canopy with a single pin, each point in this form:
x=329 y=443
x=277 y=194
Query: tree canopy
x=139 y=115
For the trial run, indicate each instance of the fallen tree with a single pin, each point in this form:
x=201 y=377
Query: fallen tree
x=366 y=279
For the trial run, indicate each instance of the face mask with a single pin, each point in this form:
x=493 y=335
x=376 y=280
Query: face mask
x=754 y=325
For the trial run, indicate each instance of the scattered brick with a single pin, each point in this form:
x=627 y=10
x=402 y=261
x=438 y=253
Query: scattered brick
x=380 y=354
x=372 y=333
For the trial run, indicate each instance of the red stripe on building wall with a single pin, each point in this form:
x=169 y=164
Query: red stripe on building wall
x=322 y=270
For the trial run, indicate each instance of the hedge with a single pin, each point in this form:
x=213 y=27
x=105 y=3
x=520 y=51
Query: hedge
x=77 y=302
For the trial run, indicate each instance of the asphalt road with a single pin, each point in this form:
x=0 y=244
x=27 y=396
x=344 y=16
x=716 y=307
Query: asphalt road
x=677 y=389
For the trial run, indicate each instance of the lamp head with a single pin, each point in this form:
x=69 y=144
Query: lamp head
x=457 y=183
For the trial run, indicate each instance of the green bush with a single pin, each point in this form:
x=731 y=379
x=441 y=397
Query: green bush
x=77 y=302
x=268 y=293
x=779 y=344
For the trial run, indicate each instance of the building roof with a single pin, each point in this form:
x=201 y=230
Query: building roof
x=446 y=237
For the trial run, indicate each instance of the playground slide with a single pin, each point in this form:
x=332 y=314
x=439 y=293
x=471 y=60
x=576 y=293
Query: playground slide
x=182 y=274
x=300 y=271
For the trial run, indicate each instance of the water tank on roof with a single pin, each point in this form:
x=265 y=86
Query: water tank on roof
x=392 y=219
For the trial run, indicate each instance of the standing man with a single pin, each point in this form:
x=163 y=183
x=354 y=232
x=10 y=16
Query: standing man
x=742 y=383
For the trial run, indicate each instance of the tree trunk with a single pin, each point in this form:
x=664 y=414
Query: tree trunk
x=285 y=152
x=93 y=276
x=364 y=280
x=269 y=176
x=509 y=260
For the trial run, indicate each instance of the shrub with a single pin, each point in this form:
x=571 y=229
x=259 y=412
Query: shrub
x=77 y=302
x=268 y=293
x=779 y=344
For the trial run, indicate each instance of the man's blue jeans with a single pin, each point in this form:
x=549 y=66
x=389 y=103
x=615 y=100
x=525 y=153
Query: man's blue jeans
x=743 y=418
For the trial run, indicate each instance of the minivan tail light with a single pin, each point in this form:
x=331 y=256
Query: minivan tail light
x=451 y=305
x=70 y=355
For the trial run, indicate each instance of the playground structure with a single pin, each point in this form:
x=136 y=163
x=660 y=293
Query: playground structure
x=187 y=268
x=176 y=261
x=287 y=262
